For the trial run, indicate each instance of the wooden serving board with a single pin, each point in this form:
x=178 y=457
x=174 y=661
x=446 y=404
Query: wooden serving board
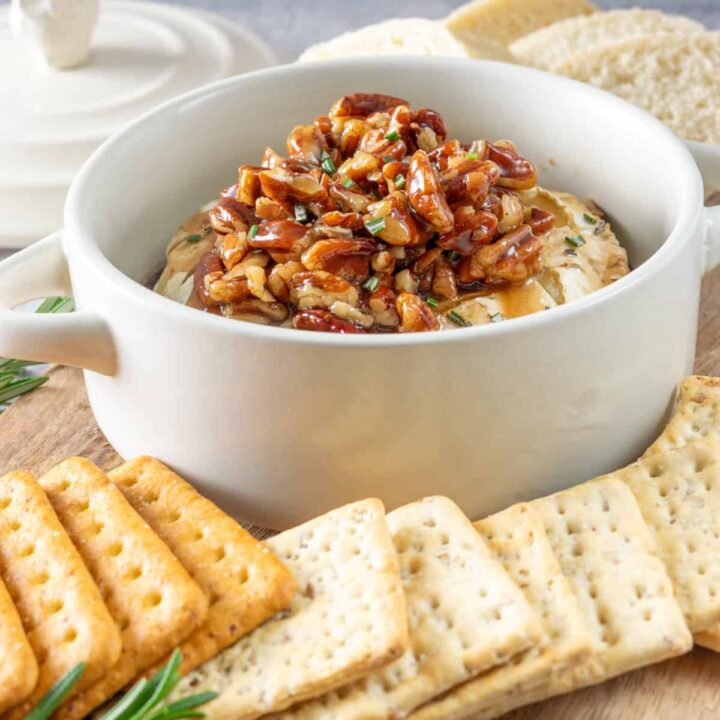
x=56 y=422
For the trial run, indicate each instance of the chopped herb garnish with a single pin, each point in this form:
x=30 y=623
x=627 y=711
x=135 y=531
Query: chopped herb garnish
x=371 y=284
x=496 y=317
x=399 y=180
x=576 y=241
x=392 y=135
x=192 y=239
x=590 y=219
x=253 y=231
x=600 y=227
x=388 y=159
x=301 y=213
x=348 y=183
x=207 y=231
x=454 y=256
x=56 y=694
x=458 y=319
x=472 y=156
x=570 y=251
x=376 y=225
x=328 y=165
x=432 y=302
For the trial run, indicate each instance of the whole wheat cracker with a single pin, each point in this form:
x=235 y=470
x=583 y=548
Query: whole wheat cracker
x=60 y=606
x=550 y=46
x=504 y=21
x=151 y=597
x=696 y=416
x=245 y=583
x=607 y=553
x=517 y=538
x=674 y=76
x=348 y=618
x=465 y=616
x=19 y=668
x=679 y=496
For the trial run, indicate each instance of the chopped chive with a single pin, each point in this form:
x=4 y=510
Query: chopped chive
x=207 y=231
x=348 y=183
x=600 y=227
x=392 y=135
x=371 y=284
x=576 y=241
x=301 y=213
x=388 y=159
x=52 y=699
x=472 y=156
x=458 y=319
x=328 y=165
x=432 y=302
x=55 y=305
x=192 y=239
x=570 y=251
x=496 y=317
x=590 y=219
x=399 y=180
x=375 y=226
x=252 y=232
x=453 y=256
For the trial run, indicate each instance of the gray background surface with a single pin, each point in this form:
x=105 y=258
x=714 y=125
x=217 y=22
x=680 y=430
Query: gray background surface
x=289 y=26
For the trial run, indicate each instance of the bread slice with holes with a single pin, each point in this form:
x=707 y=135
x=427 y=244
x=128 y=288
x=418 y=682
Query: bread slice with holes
x=516 y=538
x=245 y=583
x=153 y=600
x=552 y=45
x=347 y=619
x=674 y=76
x=504 y=21
x=465 y=616
x=607 y=553
x=60 y=606
x=400 y=36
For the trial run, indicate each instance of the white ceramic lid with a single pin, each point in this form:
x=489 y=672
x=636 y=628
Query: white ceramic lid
x=51 y=121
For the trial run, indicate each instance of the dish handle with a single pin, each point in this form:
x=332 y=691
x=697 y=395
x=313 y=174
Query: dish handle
x=80 y=339
x=712 y=237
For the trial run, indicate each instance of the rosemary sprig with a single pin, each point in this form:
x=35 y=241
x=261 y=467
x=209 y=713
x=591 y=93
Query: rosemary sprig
x=144 y=700
x=56 y=694
x=13 y=382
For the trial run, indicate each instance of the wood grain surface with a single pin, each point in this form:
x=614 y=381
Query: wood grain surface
x=55 y=422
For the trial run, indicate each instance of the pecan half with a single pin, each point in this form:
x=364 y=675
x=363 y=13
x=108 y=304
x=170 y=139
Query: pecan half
x=324 y=321
x=426 y=196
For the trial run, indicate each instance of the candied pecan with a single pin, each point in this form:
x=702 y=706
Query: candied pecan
x=363 y=104
x=426 y=195
x=350 y=199
x=271 y=159
x=444 y=283
x=349 y=259
x=335 y=218
x=427 y=118
x=359 y=166
x=209 y=268
x=399 y=227
x=472 y=229
x=516 y=172
x=318 y=288
x=383 y=262
x=267 y=209
x=285 y=186
x=254 y=310
x=382 y=305
x=307 y=143
x=406 y=282
x=248 y=185
x=513 y=258
x=323 y=321
x=375 y=142
x=352 y=133
x=541 y=221
x=283 y=240
x=233 y=247
x=225 y=290
x=511 y=213
x=442 y=155
x=230 y=215
x=426 y=260
x=352 y=314
x=415 y=314
x=279 y=278
x=468 y=179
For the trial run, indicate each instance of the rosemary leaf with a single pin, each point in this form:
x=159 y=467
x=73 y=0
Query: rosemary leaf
x=184 y=704
x=20 y=387
x=57 y=693
x=133 y=699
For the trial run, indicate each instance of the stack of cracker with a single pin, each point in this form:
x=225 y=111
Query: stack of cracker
x=116 y=575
